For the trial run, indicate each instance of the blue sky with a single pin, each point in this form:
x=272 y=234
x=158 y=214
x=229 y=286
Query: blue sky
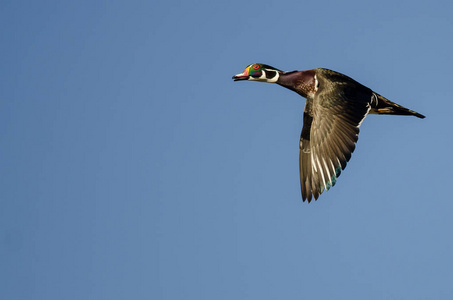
x=133 y=167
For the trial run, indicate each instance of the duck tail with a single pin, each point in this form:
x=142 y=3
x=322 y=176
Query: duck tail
x=383 y=106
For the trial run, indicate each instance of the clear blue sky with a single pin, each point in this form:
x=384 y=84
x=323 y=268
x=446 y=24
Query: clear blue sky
x=133 y=167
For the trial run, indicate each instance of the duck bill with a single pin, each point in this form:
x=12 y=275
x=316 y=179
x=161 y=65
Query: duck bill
x=242 y=76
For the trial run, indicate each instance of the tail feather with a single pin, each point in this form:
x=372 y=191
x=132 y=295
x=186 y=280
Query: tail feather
x=382 y=105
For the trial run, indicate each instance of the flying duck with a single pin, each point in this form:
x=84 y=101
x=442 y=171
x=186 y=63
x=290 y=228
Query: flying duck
x=336 y=106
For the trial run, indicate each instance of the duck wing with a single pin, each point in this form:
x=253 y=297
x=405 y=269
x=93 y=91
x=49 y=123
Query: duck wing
x=332 y=118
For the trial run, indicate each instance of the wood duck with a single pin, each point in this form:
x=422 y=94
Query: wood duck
x=336 y=106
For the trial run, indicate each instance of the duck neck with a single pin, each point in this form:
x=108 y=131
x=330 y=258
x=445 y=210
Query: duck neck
x=301 y=82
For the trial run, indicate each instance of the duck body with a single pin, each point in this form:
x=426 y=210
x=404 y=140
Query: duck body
x=335 y=107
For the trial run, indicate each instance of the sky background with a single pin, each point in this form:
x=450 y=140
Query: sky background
x=133 y=167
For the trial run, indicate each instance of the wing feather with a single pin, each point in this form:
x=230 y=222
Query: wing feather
x=332 y=118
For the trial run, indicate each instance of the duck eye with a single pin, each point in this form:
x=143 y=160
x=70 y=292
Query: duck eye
x=256 y=67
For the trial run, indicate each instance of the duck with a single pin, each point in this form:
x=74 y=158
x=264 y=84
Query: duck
x=335 y=107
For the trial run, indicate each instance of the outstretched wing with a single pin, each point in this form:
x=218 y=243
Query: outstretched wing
x=331 y=127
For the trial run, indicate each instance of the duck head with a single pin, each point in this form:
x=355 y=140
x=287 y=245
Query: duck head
x=259 y=72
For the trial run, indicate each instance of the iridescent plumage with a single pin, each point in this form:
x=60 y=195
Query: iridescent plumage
x=335 y=108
